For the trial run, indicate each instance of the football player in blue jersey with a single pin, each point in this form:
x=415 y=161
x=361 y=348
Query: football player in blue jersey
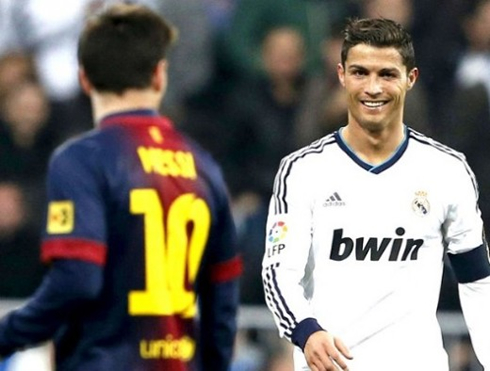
x=360 y=220
x=139 y=235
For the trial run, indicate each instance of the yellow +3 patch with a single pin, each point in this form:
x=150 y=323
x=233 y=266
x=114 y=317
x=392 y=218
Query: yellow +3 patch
x=61 y=217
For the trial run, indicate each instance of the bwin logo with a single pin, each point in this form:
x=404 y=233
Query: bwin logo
x=397 y=248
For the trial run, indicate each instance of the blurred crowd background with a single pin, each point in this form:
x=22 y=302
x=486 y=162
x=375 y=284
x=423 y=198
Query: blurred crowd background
x=251 y=81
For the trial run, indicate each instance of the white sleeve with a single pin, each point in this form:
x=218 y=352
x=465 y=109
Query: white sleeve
x=469 y=256
x=287 y=247
x=463 y=225
x=475 y=302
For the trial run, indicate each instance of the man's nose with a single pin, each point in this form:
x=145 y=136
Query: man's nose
x=373 y=85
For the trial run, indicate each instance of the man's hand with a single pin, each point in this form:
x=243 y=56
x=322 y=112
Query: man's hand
x=324 y=352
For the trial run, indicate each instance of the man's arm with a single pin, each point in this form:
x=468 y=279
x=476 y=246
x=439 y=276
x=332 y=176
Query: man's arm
x=66 y=288
x=287 y=250
x=470 y=259
x=472 y=270
x=218 y=285
x=218 y=311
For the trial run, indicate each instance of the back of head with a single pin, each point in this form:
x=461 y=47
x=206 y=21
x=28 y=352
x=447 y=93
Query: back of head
x=381 y=33
x=120 y=47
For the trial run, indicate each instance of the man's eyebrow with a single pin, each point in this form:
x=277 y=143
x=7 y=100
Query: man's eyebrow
x=389 y=70
x=357 y=67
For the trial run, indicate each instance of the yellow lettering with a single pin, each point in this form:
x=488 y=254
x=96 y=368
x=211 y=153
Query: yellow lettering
x=182 y=349
x=165 y=162
x=145 y=158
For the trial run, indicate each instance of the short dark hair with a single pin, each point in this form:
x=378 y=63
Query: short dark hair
x=379 y=32
x=120 y=47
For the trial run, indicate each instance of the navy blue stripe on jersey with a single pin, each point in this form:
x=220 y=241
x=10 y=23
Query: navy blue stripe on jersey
x=375 y=169
x=280 y=185
x=421 y=138
x=276 y=302
x=471 y=265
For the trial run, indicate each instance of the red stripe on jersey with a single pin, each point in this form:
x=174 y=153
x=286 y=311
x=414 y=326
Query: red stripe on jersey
x=227 y=270
x=73 y=248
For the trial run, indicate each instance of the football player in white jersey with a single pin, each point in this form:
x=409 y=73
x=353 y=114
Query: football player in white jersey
x=360 y=220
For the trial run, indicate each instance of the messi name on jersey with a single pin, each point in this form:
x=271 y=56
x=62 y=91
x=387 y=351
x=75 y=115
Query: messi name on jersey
x=395 y=248
x=166 y=162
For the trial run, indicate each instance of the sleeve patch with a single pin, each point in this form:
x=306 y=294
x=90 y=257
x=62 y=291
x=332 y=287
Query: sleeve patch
x=61 y=217
x=72 y=248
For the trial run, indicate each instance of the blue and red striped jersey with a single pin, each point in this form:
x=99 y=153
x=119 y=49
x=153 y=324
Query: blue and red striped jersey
x=142 y=215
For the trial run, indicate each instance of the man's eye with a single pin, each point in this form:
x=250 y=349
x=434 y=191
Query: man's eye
x=388 y=75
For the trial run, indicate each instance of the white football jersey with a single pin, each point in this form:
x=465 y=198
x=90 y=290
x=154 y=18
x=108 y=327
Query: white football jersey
x=360 y=247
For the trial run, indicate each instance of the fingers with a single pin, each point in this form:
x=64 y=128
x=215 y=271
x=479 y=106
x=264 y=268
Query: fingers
x=339 y=344
x=323 y=352
x=328 y=365
x=337 y=359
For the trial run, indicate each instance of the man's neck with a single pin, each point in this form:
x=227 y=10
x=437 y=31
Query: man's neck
x=104 y=104
x=374 y=147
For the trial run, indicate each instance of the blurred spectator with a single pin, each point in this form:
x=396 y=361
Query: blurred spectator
x=261 y=114
x=253 y=19
x=49 y=35
x=191 y=59
x=438 y=39
x=26 y=141
x=262 y=111
x=15 y=67
x=469 y=128
x=48 y=30
x=20 y=265
x=476 y=57
x=324 y=106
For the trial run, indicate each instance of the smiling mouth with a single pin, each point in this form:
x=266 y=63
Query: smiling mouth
x=371 y=104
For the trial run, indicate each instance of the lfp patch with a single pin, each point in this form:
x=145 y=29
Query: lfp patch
x=277 y=232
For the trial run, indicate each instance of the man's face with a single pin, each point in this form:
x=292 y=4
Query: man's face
x=376 y=82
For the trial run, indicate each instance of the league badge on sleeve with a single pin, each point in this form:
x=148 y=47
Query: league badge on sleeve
x=61 y=217
x=276 y=237
x=277 y=232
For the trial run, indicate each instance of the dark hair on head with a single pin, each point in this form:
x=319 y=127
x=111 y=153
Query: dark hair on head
x=381 y=33
x=120 y=47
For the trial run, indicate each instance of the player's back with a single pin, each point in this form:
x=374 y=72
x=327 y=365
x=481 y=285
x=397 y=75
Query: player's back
x=148 y=203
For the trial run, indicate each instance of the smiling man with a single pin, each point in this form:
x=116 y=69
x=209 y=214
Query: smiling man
x=367 y=214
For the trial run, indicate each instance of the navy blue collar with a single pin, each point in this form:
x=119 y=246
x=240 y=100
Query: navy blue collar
x=375 y=169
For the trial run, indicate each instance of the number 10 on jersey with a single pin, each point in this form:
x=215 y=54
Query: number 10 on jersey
x=171 y=253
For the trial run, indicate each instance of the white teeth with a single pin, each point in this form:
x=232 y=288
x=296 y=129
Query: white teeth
x=373 y=104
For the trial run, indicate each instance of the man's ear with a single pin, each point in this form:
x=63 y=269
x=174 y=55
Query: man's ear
x=84 y=81
x=412 y=77
x=341 y=74
x=159 y=78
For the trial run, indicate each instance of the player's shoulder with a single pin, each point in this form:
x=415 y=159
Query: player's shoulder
x=81 y=148
x=308 y=155
x=433 y=150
